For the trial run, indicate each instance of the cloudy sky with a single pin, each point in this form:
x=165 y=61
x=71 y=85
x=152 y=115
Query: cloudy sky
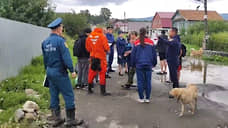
x=136 y=8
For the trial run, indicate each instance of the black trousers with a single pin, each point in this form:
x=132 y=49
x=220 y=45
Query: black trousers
x=173 y=67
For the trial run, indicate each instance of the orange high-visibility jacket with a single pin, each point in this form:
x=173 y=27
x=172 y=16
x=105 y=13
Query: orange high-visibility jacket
x=97 y=44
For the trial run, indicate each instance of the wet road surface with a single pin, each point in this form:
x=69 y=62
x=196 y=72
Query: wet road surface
x=121 y=110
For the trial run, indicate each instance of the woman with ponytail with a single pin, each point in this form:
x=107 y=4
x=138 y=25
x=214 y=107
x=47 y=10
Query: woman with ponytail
x=144 y=58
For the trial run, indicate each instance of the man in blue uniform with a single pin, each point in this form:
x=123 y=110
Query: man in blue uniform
x=173 y=54
x=120 y=45
x=57 y=61
x=111 y=42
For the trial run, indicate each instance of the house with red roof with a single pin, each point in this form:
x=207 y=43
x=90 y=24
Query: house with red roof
x=182 y=19
x=161 y=21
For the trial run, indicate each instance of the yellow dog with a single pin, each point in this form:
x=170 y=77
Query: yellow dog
x=186 y=95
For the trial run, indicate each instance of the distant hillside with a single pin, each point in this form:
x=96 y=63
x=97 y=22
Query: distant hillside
x=147 y=19
x=225 y=16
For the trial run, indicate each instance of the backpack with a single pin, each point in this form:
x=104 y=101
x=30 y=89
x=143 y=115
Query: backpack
x=184 y=50
x=77 y=47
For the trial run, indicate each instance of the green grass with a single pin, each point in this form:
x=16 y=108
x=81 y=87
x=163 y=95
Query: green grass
x=216 y=59
x=12 y=95
x=12 y=90
x=211 y=59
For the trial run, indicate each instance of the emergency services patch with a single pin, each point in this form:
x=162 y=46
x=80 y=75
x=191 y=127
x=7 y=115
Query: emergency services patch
x=66 y=44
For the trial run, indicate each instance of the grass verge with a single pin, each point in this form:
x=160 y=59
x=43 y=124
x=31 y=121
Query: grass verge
x=12 y=90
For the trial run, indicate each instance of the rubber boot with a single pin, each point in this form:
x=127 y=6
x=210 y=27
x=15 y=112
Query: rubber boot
x=71 y=122
x=56 y=116
x=103 y=91
x=90 y=90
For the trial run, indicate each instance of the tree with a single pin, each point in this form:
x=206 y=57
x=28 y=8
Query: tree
x=106 y=13
x=74 y=23
x=37 y=12
x=85 y=12
x=92 y=19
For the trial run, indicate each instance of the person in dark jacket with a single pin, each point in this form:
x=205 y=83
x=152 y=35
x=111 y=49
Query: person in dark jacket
x=131 y=70
x=111 y=42
x=120 y=45
x=144 y=58
x=162 y=50
x=83 y=60
x=173 y=54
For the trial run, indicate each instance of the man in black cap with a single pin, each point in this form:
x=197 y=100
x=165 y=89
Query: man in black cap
x=57 y=62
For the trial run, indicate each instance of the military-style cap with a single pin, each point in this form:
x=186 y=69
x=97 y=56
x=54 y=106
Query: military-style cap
x=56 y=23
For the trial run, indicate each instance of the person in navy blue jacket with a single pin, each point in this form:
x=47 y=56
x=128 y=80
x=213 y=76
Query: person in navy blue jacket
x=111 y=42
x=173 y=53
x=120 y=45
x=144 y=58
x=57 y=62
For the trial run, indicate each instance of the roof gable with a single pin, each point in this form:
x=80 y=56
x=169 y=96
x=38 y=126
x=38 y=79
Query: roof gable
x=162 y=20
x=165 y=15
x=198 y=15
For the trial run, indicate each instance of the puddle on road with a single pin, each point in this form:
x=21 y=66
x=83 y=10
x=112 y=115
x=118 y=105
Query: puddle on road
x=193 y=72
x=116 y=124
x=198 y=72
x=101 y=119
x=219 y=96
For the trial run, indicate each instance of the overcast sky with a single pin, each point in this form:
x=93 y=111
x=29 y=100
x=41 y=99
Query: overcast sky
x=136 y=8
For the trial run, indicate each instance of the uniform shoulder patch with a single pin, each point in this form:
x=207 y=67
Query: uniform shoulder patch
x=66 y=45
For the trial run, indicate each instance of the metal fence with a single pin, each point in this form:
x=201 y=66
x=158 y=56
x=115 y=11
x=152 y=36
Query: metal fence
x=19 y=43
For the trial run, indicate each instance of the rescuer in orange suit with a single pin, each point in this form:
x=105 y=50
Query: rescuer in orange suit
x=97 y=45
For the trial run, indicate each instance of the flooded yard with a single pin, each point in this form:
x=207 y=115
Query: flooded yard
x=211 y=79
x=194 y=72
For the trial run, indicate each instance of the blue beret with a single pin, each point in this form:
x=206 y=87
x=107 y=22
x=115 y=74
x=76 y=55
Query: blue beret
x=56 y=23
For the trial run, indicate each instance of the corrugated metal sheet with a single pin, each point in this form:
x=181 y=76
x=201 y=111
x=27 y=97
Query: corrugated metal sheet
x=19 y=43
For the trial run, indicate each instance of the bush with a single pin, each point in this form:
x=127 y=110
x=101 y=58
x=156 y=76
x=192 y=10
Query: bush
x=218 y=31
x=218 y=42
x=194 y=39
x=214 y=27
x=74 y=23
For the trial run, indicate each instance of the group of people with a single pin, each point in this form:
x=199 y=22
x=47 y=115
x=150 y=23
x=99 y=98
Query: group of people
x=95 y=53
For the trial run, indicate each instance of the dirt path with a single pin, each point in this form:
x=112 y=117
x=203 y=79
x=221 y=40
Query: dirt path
x=121 y=110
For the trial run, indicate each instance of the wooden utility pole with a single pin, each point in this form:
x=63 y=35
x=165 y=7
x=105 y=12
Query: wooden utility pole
x=206 y=37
